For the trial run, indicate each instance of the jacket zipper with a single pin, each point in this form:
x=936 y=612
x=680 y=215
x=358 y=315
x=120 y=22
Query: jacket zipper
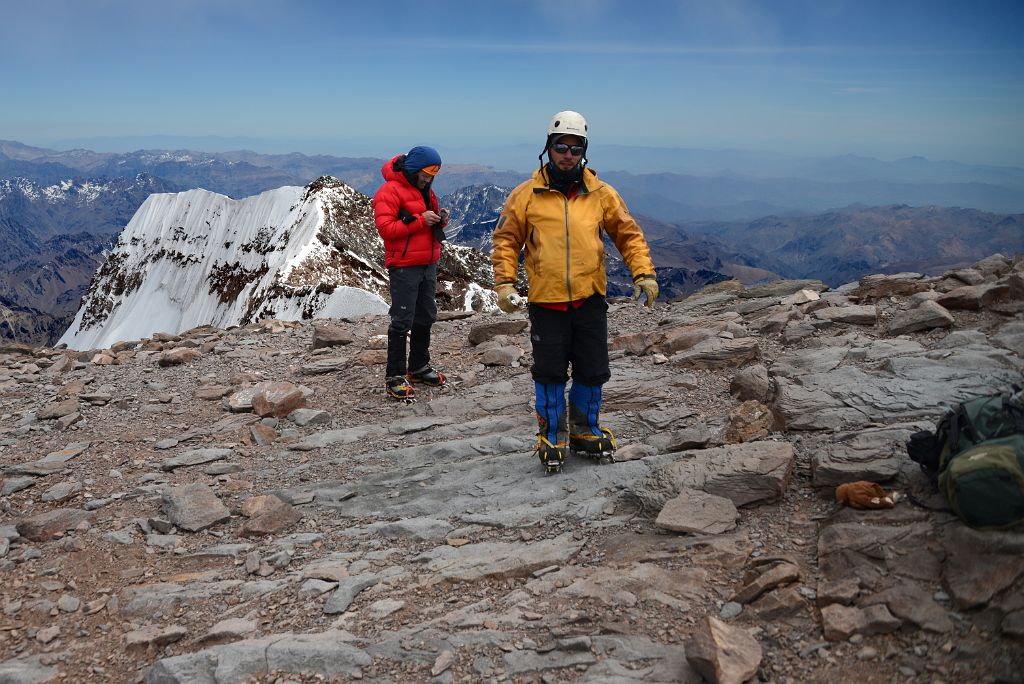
x=568 y=282
x=406 y=248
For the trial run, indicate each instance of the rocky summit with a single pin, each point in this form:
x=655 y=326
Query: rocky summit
x=246 y=505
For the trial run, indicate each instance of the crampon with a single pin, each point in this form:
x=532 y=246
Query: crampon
x=601 y=447
x=552 y=456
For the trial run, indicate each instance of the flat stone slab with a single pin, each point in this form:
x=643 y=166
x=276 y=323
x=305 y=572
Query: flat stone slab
x=338 y=437
x=26 y=670
x=194 y=507
x=347 y=590
x=326 y=653
x=818 y=390
x=166 y=597
x=698 y=512
x=874 y=454
x=679 y=589
x=854 y=315
x=496 y=559
x=498 y=482
x=195 y=457
x=743 y=473
x=871 y=553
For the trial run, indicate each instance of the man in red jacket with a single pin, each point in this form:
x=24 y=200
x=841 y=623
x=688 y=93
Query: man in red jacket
x=412 y=226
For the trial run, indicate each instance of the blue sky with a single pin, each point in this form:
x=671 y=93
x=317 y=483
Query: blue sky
x=887 y=79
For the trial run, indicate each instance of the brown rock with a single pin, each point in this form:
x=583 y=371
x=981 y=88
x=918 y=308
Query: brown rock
x=698 y=512
x=262 y=435
x=153 y=635
x=780 y=604
x=973 y=579
x=212 y=392
x=52 y=524
x=715 y=353
x=179 y=356
x=783 y=288
x=751 y=383
x=371 y=357
x=749 y=421
x=634 y=343
x=331 y=336
x=850 y=314
x=277 y=399
x=723 y=654
x=486 y=331
x=59 y=410
x=256 y=506
x=841 y=622
x=194 y=507
x=274 y=521
x=880 y=286
x=880 y=620
x=783 y=573
x=908 y=601
x=843 y=591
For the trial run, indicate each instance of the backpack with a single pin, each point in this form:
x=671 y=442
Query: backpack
x=976 y=458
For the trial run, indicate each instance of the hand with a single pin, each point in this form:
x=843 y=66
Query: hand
x=648 y=287
x=508 y=300
x=430 y=218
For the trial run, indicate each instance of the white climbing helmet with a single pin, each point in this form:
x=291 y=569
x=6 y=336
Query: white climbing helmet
x=568 y=123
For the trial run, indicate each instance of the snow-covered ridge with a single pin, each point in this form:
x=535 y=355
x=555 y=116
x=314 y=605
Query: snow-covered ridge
x=79 y=190
x=201 y=258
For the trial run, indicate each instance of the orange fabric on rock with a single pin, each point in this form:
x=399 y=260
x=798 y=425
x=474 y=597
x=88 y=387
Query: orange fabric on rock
x=863 y=495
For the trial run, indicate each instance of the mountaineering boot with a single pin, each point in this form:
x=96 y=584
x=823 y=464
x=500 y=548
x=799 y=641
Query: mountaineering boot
x=428 y=376
x=586 y=436
x=399 y=388
x=551 y=429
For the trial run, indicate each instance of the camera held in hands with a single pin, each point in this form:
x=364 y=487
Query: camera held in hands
x=439 y=226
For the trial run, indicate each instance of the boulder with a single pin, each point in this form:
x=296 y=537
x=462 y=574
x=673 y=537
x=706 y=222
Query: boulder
x=723 y=654
x=698 y=512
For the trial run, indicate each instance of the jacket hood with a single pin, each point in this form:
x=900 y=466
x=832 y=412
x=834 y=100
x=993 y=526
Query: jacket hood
x=389 y=173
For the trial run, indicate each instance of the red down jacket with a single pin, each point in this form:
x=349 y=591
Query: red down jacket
x=405 y=244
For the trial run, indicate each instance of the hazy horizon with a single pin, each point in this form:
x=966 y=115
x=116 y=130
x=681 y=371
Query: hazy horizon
x=869 y=78
x=519 y=157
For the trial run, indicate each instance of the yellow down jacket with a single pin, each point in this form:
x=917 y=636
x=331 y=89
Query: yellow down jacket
x=563 y=239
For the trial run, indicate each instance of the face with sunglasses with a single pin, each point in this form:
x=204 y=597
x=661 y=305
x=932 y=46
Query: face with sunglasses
x=567 y=152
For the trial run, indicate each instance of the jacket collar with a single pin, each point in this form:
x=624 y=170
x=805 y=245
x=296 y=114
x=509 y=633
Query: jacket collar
x=588 y=183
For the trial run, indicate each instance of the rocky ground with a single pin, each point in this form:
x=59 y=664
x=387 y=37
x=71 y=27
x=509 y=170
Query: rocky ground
x=247 y=505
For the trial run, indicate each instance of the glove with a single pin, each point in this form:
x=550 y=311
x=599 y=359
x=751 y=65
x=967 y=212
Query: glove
x=648 y=286
x=508 y=300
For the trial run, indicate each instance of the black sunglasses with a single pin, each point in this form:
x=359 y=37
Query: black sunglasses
x=562 y=148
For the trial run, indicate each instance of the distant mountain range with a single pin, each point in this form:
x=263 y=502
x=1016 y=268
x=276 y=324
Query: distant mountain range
x=60 y=211
x=681 y=184
x=841 y=246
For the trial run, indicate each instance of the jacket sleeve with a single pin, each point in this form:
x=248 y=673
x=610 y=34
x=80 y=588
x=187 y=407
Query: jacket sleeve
x=510 y=236
x=386 y=204
x=627 y=235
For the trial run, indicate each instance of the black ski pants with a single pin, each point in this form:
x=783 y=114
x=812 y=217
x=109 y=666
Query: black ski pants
x=577 y=337
x=413 y=312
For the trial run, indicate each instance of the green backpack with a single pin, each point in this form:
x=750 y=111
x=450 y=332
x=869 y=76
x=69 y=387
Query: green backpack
x=981 y=462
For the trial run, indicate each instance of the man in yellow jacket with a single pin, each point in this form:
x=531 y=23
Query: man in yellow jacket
x=559 y=217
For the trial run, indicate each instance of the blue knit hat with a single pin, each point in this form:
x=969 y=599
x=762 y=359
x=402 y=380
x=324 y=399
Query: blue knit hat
x=421 y=157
